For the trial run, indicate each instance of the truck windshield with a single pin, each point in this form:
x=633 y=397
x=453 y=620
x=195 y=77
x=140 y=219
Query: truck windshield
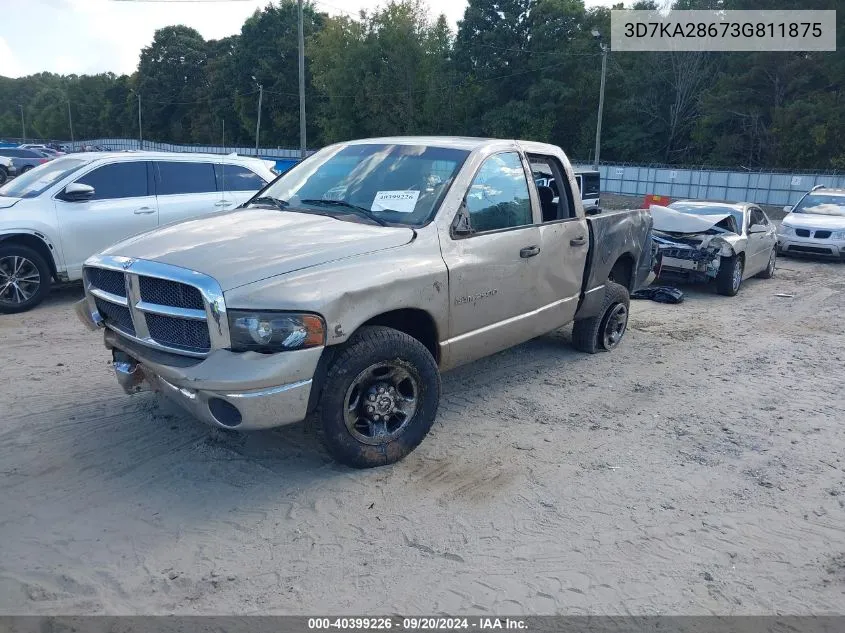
x=36 y=181
x=397 y=184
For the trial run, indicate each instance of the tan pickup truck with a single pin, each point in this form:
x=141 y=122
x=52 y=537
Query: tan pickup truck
x=347 y=285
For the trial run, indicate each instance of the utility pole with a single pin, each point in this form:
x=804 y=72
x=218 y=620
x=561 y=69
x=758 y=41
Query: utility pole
x=70 y=120
x=140 y=130
x=302 y=141
x=258 y=122
x=597 y=35
x=23 y=126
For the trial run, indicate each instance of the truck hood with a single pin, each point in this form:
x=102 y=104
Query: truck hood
x=815 y=221
x=245 y=246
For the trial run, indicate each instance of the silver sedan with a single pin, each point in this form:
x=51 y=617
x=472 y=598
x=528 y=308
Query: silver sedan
x=702 y=240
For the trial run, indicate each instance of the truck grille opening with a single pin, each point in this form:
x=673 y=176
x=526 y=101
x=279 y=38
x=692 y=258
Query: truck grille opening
x=115 y=315
x=170 y=293
x=802 y=232
x=110 y=281
x=821 y=235
x=183 y=334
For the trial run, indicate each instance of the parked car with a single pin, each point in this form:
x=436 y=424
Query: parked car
x=55 y=216
x=7 y=169
x=44 y=149
x=24 y=159
x=702 y=240
x=589 y=184
x=358 y=276
x=816 y=225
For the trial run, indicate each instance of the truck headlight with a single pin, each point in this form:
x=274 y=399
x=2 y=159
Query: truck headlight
x=837 y=235
x=785 y=229
x=270 y=332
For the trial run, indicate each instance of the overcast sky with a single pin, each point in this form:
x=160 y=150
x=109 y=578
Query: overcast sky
x=92 y=36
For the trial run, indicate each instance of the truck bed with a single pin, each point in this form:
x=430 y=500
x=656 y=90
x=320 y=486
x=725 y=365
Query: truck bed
x=616 y=236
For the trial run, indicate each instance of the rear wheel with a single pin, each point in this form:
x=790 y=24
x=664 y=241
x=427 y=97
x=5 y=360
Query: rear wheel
x=379 y=399
x=729 y=277
x=24 y=278
x=769 y=271
x=605 y=331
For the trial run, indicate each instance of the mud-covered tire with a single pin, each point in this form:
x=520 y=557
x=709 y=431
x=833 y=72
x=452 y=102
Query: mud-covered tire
x=588 y=335
x=729 y=277
x=11 y=302
x=769 y=271
x=375 y=347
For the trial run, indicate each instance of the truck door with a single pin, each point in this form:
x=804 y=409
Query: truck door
x=492 y=257
x=564 y=242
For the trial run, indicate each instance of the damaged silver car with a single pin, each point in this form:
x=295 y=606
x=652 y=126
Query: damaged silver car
x=699 y=241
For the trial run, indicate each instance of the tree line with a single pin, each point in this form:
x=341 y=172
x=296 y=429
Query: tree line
x=514 y=68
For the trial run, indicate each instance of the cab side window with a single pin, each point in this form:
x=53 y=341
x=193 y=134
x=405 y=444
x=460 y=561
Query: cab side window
x=757 y=217
x=498 y=197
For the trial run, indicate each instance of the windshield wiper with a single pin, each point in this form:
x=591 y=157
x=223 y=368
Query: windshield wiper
x=276 y=202
x=362 y=211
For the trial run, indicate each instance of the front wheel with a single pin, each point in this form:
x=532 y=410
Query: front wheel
x=24 y=278
x=729 y=277
x=379 y=399
x=604 y=332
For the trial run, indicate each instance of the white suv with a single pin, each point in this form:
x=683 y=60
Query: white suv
x=57 y=215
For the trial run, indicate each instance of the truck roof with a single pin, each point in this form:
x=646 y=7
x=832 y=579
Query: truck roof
x=469 y=143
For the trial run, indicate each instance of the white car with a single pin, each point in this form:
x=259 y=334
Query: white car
x=816 y=225
x=7 y=169
x=55 y=216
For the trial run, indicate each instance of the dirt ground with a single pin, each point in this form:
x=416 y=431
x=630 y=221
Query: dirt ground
x=698 y=469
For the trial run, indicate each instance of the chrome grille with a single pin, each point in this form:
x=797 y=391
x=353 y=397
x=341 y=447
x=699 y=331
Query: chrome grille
x=170 y=293
x=115 y=315
x=164 y=307
x=178 y=333
x=111 y=281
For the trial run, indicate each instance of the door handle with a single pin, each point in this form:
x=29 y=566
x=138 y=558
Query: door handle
x=222 y=203
x=529 y=251
x=578 y=241
x=144 y=211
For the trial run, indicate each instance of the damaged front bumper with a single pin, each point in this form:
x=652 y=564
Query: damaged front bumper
x=687 y=259
x=233 y=390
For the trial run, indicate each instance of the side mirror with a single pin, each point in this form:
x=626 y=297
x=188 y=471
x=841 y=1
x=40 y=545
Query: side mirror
x=592 y=210
x=787 y=208
x=77 y=192
x=756 y=228
x=461 y=227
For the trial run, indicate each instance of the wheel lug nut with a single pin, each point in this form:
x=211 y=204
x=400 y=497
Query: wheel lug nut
x=377 y=417
x=372 y=397
x=381 y=389
x=370 y=409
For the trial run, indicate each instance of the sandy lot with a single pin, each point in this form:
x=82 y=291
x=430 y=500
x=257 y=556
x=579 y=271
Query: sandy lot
x=698 y=469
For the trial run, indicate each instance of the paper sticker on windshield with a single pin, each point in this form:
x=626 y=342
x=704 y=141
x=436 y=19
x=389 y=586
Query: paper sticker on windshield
x=401 y=201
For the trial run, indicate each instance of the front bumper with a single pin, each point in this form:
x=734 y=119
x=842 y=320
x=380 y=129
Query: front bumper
x=242 y=411
x=811 y=246
x=241 y=391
